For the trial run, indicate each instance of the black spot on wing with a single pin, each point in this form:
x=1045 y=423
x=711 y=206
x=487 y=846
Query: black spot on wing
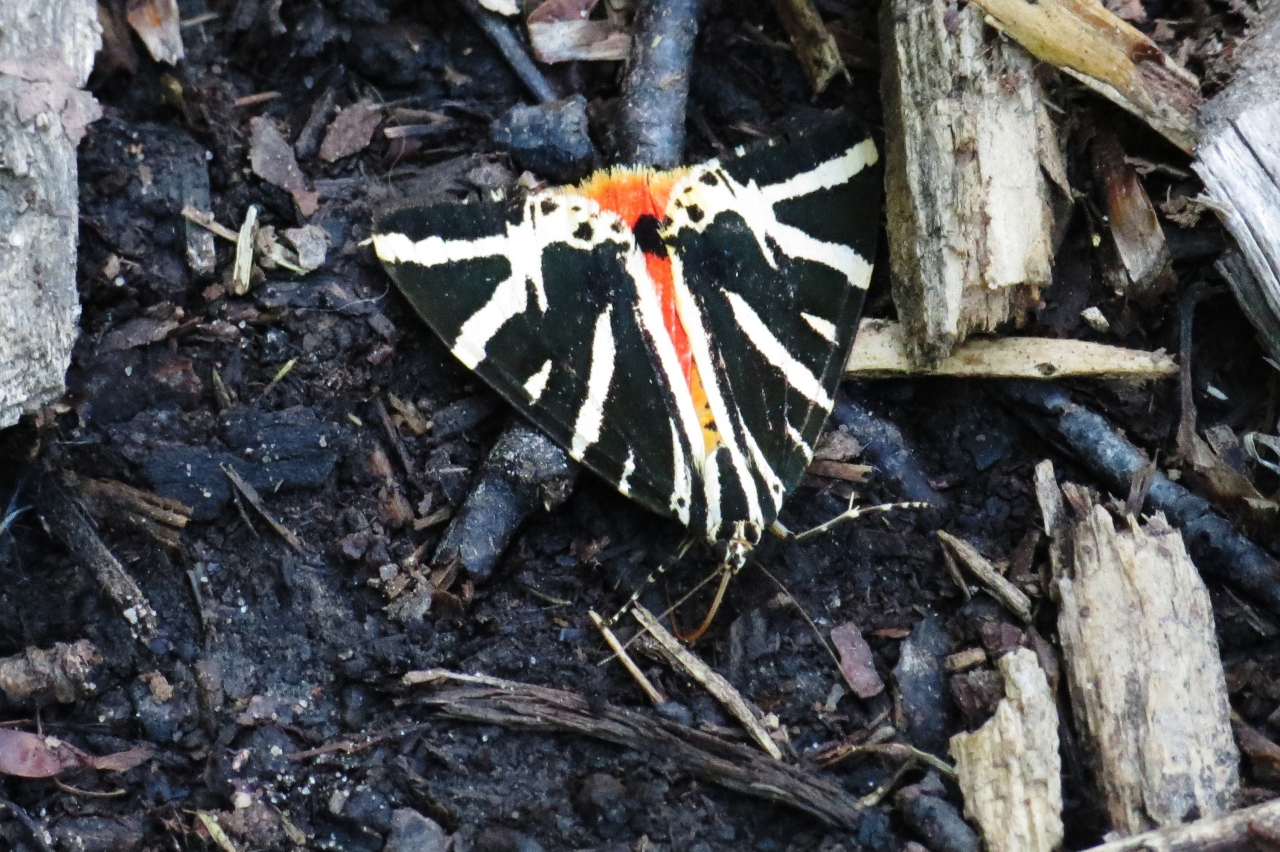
x=648 y=236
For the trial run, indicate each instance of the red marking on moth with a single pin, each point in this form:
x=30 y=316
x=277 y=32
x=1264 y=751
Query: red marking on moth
x=633 y=195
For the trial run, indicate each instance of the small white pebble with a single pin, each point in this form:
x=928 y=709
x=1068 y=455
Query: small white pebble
x=1215 y=393
x=1095 y=319
x=241 y=800
x=128 y=371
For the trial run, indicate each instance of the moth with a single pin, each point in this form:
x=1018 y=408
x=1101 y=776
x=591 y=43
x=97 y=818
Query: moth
x=681 y=333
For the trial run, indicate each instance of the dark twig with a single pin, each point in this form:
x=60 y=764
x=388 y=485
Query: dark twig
x=883 y=446
x=1218 y=549
x=499 y=32
x=490 y=701
x=656 y=90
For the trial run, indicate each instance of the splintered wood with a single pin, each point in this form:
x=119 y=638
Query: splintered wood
x=1109 y=56
x=1009 y=769
x=969 y=216
x=1146 y=682
x=1239 y=162
x=46 y=54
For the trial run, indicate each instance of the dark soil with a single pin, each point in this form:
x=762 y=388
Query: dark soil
x=276 y=656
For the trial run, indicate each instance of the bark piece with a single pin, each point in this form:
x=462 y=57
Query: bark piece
x=969 y=225
x=1109 y=56
x=815 y=47
x=1131 y=218
x=46 y=54
x=857 y=663
x=62 y=673
x=1009 y=769
x=879 y=352
x=492 y=701
x=1147 y=686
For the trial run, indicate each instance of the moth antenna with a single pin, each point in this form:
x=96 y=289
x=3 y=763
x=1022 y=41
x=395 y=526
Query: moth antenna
x=822 y=640
x=649 y=581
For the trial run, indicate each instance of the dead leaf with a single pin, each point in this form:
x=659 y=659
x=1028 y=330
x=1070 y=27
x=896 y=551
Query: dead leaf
x=28 y=755
x=857 y=663
x=837 y=446
x=351 y=131
x=273 y=160
x=157 y=23
x=138 y=332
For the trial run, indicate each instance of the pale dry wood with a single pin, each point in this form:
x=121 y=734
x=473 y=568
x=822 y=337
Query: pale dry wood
x=1245 y=830
x=1109 y=56
x=46 y=54
x=1146 y=682
x=620 y=651
x=969 y=214
x=720 y=689
x=1009 y=770
x=879 y=352
x=1014 y=599
x=1239 y=162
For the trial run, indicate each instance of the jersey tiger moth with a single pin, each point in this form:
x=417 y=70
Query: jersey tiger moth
x=681 y=332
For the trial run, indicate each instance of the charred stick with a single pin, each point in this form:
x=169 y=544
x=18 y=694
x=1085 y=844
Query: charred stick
x=656 y=90
x=1219 y=551
x=884 y=447
x=499 y=32
x=491 y=701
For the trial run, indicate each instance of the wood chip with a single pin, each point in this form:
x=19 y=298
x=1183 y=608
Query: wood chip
x=242 y=270
x=1009 y=770
x=719 y=688
x=1146 y=681
x=351 y=131
x=1013 y=598
x=857 y=663
x=157 y=23
x=879 y=352
x=844 y=471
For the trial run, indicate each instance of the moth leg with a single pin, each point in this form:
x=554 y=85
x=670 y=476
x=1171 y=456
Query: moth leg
x=849 y=514
x=649 y=581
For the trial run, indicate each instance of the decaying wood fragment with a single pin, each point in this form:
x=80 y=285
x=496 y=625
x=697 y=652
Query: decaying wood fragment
x=66 y=520
x=720 y=689
x=992 y=580
x=1245 y=830
x=493 y=701
x=1109 y=56
x=969 y=225
x=879 y=352
x=814 y=45
x=1147 y=686
x=1009 y=770
x=1239 y=162
x=1139 y=244
x=46 y=54
x=62 y=673
x=159 y=517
